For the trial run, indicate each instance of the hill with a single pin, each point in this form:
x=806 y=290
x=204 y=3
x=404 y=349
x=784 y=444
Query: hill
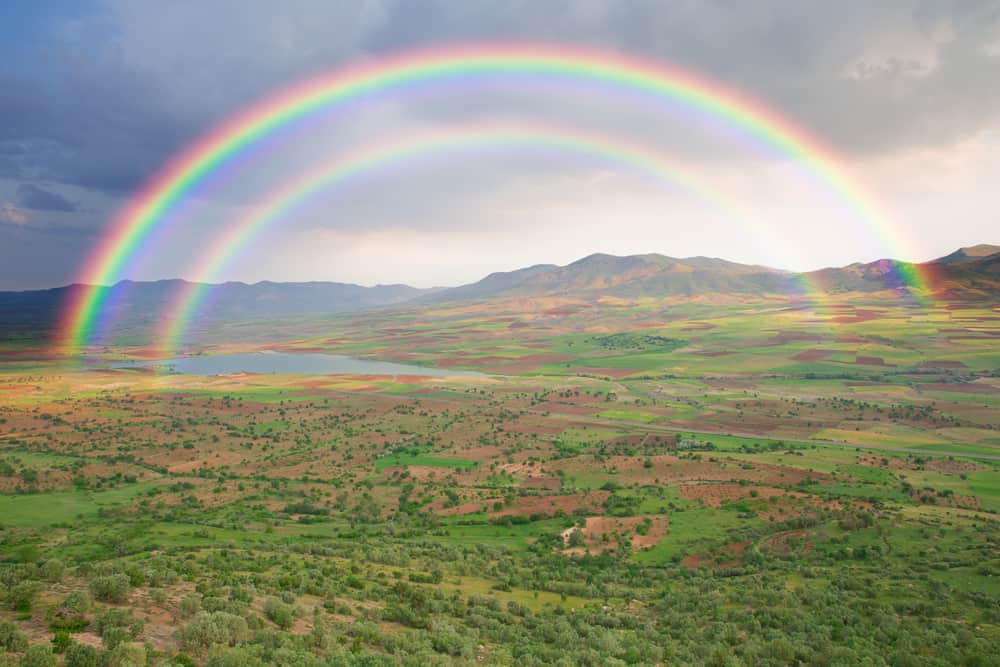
x=632 y=276
x=972 y=272
x=970 y=253
x=967 y=271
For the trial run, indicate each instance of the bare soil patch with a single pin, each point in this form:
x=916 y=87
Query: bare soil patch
x=603 y=533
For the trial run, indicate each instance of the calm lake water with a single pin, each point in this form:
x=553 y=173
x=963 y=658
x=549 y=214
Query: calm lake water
x=291 y=363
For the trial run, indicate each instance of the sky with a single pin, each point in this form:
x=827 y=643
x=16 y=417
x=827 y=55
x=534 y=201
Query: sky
x=95 y=97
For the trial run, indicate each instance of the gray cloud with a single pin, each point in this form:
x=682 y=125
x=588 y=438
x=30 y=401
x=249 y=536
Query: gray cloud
x=868 y=77
x=32 y=197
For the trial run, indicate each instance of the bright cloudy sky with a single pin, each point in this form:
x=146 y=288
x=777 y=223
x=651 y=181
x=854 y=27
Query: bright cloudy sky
x=96 y=96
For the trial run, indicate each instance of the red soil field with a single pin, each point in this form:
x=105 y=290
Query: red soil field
x=870 y=361
x=528 y=505
x=716 y=495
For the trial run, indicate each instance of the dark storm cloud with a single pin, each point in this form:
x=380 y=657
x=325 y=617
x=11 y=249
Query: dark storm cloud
x=92 y=126
x=39 y=199
x=100 y=101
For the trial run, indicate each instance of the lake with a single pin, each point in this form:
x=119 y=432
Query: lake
x=291 y=363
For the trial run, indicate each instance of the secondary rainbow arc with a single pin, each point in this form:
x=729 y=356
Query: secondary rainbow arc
x=184 y=172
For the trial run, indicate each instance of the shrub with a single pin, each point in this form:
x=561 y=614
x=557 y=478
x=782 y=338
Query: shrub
x=189 y=605
x=118 y=618
x=110 y=588
x=127 y=654
x=279 y=613
x=114 y=636
x=12 y=639
x=81 y=655
x=61 y=641
x=23 y=594
x=243 y=656
x=39 y=655
x=77 y=601
x=52 y=570
x=208 y=628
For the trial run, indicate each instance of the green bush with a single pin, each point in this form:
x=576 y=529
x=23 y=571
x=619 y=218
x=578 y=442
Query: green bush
x=11 y=638
x=38 y=655
x=208 y=628
x=52 y=570
x=81 y=655
x=189 y=605
x=61 y=641
x=279 y=613
x=77 y=601
x=110 y=588
x=243 y=656
x=118 y=618
x=23 y=594
x=127 y=654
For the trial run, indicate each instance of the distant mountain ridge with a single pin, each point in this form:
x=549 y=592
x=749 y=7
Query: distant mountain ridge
x=967 y=270
x=139 y=304
x=973 y=271
x=628 y=276
x=970 y=254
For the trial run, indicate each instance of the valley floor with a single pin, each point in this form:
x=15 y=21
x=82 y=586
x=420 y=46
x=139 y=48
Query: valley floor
x=634 y=482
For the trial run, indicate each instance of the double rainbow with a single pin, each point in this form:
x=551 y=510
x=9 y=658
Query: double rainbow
x=147 y=211
x=297 y=193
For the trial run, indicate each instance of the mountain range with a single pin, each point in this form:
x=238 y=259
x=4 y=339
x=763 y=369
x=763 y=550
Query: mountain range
x=968 y=272
x=973 y=271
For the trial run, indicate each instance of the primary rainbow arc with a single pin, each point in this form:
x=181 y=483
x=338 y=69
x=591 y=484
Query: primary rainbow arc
x=182 y=175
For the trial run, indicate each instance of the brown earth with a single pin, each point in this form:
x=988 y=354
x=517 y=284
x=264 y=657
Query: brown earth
x=599 y=533
x=528 y=505
x=717 y=495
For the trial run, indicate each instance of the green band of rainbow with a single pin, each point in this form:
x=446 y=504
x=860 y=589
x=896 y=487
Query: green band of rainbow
x=184 y=173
